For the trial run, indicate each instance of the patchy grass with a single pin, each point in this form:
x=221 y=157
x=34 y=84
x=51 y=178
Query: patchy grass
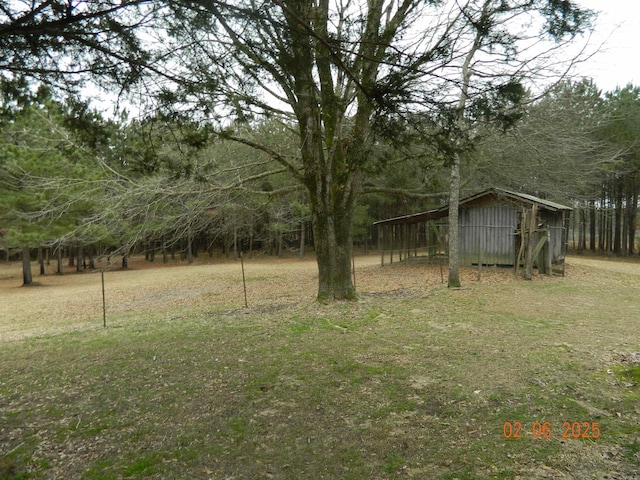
x=413 y=381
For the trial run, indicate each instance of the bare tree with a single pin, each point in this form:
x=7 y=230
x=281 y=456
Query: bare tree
x=497 y=53
x=557 y=151
x=337 y=70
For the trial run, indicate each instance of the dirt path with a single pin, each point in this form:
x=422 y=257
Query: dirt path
x=626 y=265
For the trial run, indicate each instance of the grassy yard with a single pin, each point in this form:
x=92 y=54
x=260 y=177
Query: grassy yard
x=413 y=381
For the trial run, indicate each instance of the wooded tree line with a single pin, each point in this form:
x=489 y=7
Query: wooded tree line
x=74 y=182
x=255 y=116
x=578 y=146
x=83 y=186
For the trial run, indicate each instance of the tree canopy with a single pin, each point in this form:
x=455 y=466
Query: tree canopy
x=62 y=43
x=354 y=82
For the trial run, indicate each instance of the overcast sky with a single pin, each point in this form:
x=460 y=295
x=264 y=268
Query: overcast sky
x=618 y=61
x=617 y=37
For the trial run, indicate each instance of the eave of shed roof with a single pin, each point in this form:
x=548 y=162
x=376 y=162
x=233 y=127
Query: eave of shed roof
x=521 y=197
x=414 y=218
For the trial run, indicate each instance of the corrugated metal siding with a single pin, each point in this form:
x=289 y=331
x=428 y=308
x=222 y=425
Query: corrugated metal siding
x=555 y=223
x=486 y=234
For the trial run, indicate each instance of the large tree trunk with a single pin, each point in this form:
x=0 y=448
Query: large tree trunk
x=580 y=223
x=60 y=270
x=603 y=222
x=41 y=259
x=333 y=190
x=333 y=184
x=27 y=277
x=80 y=258
x=454 y=200
x=333 y=244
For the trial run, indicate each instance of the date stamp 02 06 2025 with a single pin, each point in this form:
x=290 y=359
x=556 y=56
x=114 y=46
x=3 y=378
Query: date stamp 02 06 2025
x=585 y=430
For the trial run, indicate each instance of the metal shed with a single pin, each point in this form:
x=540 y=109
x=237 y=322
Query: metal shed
x=496 y=227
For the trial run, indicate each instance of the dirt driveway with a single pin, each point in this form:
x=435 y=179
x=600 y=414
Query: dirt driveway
x=627 y=265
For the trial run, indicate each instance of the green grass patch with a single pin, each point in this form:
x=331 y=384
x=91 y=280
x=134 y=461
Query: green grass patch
x=631 y=452
x=631 y=374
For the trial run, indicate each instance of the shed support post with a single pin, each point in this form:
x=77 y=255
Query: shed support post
x=528 y=272
x=549 y=253
x=406 y=231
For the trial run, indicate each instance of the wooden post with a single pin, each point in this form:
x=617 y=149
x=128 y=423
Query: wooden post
x=548 y=258
x=407 y=236
x=523 y=222
x=406 y=233
x=479 y=255
x=528 y=273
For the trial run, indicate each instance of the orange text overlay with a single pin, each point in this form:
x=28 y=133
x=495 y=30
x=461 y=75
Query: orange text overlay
x=585 y=430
